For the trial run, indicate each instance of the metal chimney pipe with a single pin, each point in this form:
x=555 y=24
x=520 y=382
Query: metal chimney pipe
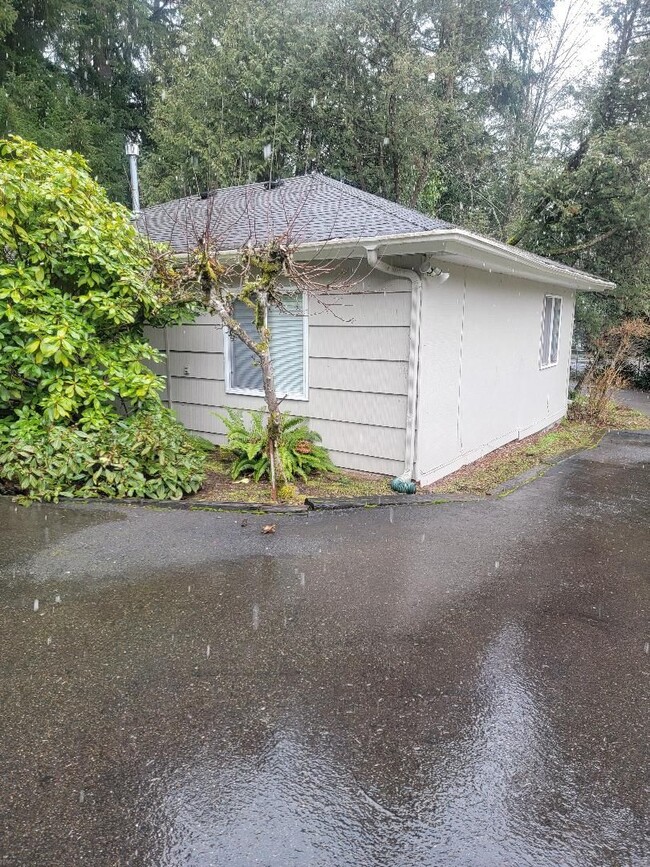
x=132 y=150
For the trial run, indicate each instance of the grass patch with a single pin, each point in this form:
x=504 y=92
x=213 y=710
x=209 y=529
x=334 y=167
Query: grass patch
x=615 y=416
x=515 y=458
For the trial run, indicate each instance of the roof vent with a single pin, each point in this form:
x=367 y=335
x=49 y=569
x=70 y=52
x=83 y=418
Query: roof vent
x=272 y=185
x=207 y=194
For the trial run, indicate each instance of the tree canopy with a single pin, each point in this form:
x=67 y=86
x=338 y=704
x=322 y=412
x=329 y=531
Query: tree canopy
x=481 y=112
x=78 y=75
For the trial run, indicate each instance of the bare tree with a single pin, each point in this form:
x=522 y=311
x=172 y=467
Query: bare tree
x=614 y=349
x=262 y=276
x=267 y=274
x=630 y=28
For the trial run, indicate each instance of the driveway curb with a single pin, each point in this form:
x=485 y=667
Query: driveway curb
x=311 y=504
x=329 y=505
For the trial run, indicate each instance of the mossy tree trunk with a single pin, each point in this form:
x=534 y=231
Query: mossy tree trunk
x=261 y=349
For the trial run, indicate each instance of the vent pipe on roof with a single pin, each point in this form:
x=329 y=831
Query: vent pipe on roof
x=132 y=150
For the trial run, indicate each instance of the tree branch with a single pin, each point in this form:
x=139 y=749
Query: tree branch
x=587 y=244
x=231 y=323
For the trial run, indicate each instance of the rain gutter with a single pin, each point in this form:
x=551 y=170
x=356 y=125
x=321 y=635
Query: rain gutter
x=464 y=248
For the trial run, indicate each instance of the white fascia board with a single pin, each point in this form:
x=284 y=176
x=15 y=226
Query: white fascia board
x=463 y=248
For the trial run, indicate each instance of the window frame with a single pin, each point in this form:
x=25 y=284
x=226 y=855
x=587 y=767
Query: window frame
x=253 y=392
x=544 y=365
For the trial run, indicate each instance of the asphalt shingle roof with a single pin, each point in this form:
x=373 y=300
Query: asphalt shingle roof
x=309 y=208
x=306 y=209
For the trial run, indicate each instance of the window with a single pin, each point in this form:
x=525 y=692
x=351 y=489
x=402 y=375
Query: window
x=550 y=330
x=288 y=351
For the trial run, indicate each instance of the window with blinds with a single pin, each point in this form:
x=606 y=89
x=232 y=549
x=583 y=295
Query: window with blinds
x=551 y=317
x=288 y=351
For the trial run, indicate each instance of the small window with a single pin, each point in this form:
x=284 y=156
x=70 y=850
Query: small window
x=288 y=351
x=550 y=330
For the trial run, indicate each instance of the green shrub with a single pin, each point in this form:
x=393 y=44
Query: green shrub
x=147 y=454
x=298 y=446
x=77 y=285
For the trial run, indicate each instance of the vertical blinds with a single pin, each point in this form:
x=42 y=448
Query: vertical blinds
x=287 y=350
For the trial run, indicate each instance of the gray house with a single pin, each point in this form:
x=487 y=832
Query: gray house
x=443 y=346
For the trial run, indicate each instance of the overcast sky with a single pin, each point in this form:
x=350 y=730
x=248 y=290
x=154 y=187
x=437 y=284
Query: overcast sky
x=589 y=22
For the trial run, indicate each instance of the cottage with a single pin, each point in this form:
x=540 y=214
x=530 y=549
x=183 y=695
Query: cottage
x=445 y=346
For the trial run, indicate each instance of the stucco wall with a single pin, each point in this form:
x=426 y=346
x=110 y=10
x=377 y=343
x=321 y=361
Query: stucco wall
x=358 y=355
x=480 y=382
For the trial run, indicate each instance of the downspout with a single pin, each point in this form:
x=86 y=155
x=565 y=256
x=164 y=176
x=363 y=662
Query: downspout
x=404 y=483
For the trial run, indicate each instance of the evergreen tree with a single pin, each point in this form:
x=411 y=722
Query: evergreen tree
x=244 y=78
x=381 y=94
x=76 y=75
x=594 y=213
x=464 y=108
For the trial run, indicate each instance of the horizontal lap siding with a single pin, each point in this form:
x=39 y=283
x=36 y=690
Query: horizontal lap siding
x=197 y=365
x=362 y=439
x=358 y=365
x=202 y=419
x=370 y=377
x=331 y=374
x=367 y=464
x=382 y=410
x=187 y=338
x=338 y=374
x=195 y=338
x=381 y=344
x=155 y=336
x=335 y=311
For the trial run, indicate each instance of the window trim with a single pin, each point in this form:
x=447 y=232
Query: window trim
x=542 y=364
x=252 y=392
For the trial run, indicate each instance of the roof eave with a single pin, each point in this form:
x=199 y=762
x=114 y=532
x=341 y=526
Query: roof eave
x=464 y=248
x=450 y=246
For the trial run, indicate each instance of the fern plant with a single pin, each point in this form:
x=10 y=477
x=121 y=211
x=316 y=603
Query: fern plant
x=298 y=447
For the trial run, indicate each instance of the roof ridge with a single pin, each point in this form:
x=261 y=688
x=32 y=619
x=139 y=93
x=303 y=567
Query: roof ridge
x=394 y=208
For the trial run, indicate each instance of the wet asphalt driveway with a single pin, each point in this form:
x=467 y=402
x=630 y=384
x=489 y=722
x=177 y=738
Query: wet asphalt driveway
x=464 y=684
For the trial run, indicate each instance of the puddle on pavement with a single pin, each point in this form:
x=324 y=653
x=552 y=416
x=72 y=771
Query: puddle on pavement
x=31 y=528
